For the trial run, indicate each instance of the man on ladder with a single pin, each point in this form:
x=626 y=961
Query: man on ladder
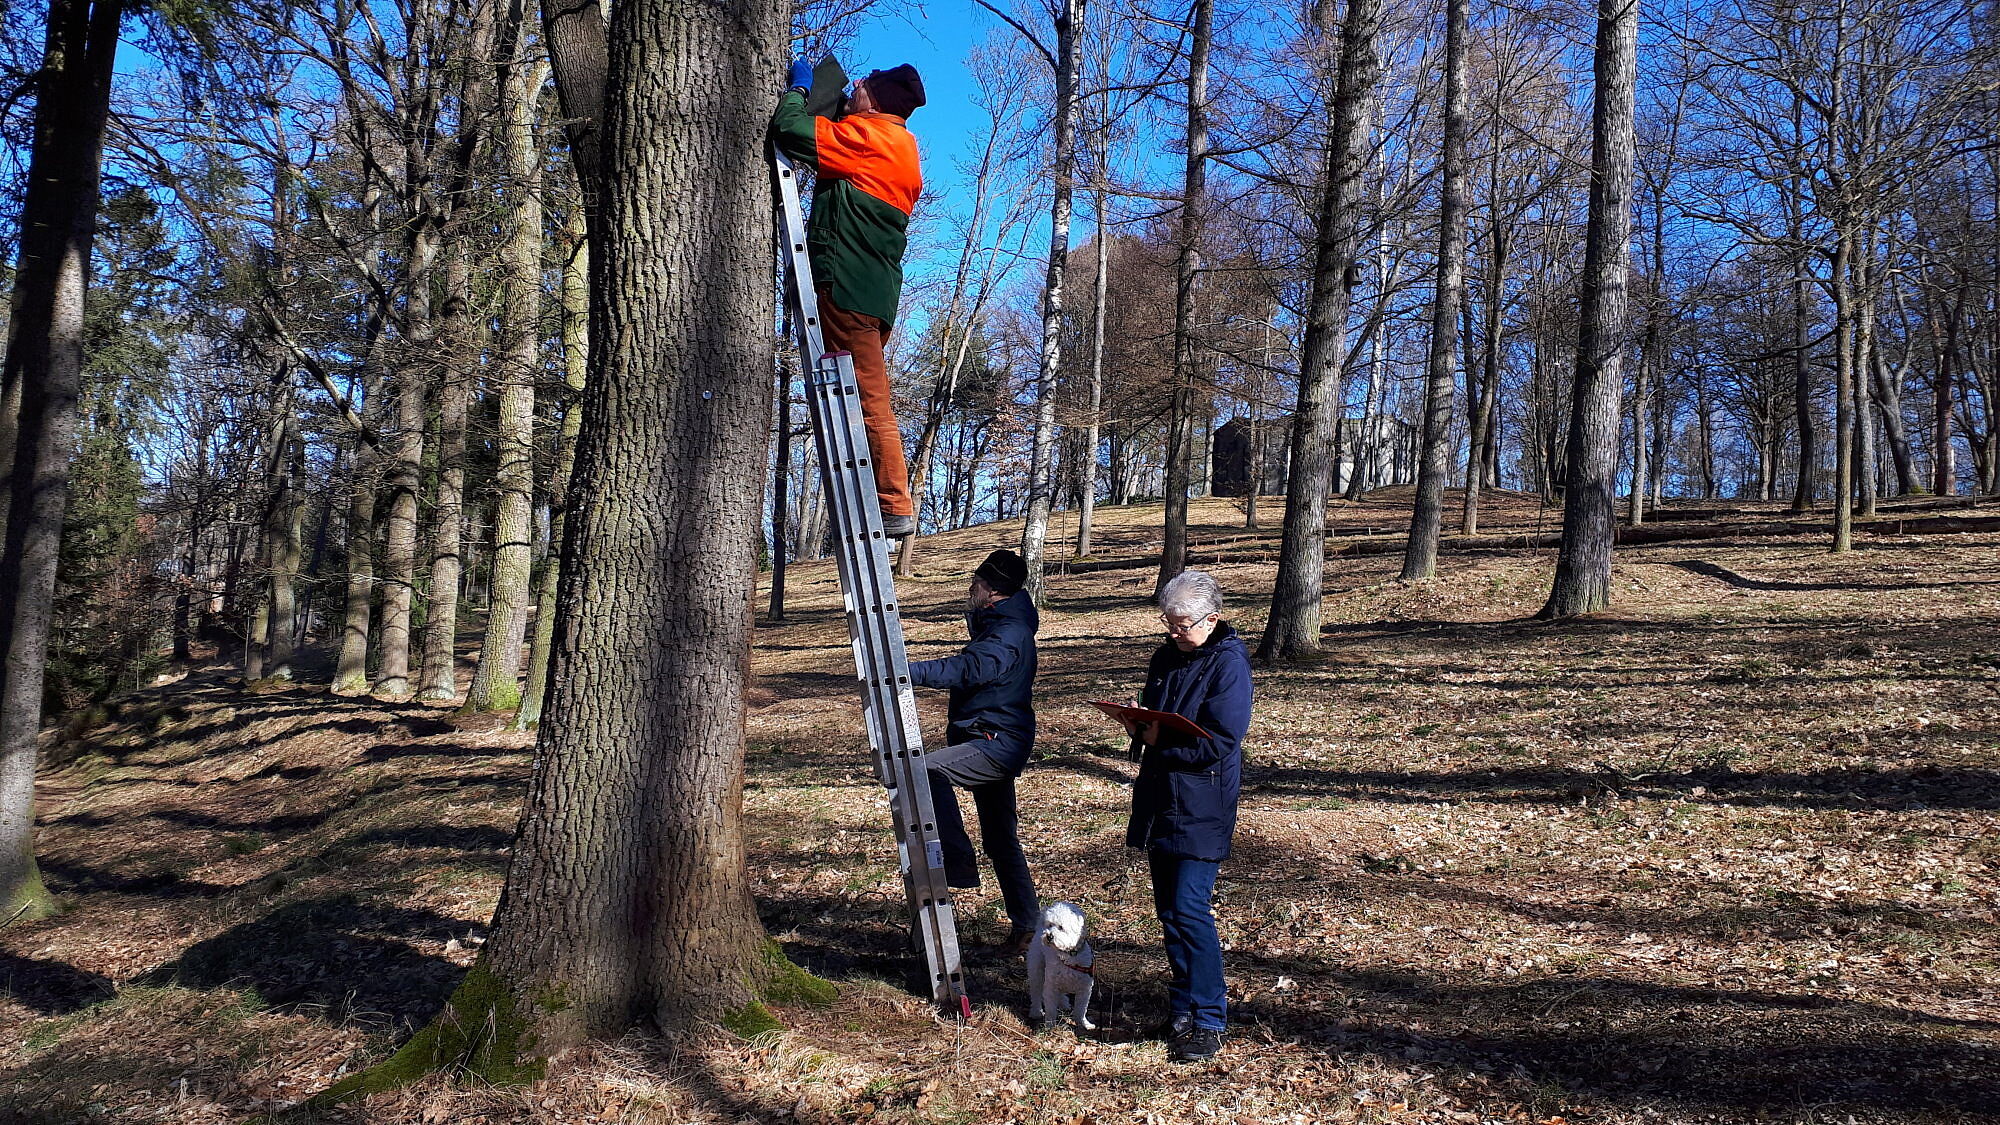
x=868 y=183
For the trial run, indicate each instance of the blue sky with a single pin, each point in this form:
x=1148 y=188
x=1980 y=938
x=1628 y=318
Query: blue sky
x=936 y=42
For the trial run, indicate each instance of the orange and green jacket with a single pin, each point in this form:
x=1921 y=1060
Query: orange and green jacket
x=868 y=185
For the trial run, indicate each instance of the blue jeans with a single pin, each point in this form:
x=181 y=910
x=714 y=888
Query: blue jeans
x=1183 y=896
x=992 y=789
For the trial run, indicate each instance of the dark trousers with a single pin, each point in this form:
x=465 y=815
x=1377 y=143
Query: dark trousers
x=992 y=787
x=1183 y=897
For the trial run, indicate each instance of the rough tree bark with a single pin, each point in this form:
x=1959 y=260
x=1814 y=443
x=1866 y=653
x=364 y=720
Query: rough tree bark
x=1427 y=520
x=1583 y=562
x=1293 y=628
x=628 y=899
x=40 y=381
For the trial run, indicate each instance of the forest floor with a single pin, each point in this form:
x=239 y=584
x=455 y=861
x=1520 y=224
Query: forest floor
x=1727 y=852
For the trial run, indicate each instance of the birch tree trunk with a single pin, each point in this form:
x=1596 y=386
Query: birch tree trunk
x=1041 y=465
x=1427 y=521
x=1583 y=562
x=1293 y=628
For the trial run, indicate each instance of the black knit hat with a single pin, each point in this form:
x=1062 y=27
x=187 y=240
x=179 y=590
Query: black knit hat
x=1004 y=571
x=898 y=90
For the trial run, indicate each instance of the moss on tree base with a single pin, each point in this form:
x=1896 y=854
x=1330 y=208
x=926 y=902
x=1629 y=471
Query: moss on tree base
x=483 y=1034
x=480 y=1034
x=786 y=984
x=30 y=901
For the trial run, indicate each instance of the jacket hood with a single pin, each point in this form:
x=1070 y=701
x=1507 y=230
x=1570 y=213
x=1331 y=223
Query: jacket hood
x=1014 y=607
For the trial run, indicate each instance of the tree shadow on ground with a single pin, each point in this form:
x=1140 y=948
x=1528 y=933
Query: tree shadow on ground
x=1745 y=582
x=76 y=878
x=339 y=956
x=1737 y=1053
x=51 y=987
x=392 y=751
x=1924 y=787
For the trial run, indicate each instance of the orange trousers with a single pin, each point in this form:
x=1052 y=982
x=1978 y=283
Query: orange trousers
x=862 y=336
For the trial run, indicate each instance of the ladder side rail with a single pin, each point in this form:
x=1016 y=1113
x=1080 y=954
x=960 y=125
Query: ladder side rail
x=889 y=700
x=875 y=628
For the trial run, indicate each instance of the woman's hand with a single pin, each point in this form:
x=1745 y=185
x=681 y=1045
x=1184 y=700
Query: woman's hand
x=1148 y=733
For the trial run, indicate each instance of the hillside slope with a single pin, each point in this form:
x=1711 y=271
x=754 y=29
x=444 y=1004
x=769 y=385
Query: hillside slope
x=1724 y=853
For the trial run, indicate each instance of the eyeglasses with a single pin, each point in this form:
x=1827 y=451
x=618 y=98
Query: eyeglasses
x=1185 y=627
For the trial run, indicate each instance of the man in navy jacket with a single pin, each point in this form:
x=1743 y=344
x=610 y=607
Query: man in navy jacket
x=992 y=729
x=1184 y=800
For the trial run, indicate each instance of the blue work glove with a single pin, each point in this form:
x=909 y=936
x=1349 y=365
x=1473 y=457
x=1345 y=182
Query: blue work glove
x=800 y=77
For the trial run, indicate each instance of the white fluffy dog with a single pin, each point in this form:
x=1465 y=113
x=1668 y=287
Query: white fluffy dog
x=1059 y=966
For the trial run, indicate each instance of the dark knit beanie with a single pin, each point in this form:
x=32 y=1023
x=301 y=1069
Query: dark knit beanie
x=1004 y=571
x=899 y=90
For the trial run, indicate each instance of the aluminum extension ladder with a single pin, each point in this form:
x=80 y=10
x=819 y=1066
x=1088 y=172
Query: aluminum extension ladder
x=887 y=700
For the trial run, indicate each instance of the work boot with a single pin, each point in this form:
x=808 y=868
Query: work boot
x=1016 y=945
x=899 y=527
x=1195 y=1045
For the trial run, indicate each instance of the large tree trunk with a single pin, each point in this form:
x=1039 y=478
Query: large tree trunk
x=495 y=683
x=1293 y=628
x=1067 y=18
x=1427 y=520
x=40 y=381
x=628 y=900
x=1194 y=201
x=1583 y=562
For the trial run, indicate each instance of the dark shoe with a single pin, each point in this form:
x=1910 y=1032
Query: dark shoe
x=1016 y=945
x=899 y=527
x=961 y=880
x=1195 y=1045
x=1170 y=1030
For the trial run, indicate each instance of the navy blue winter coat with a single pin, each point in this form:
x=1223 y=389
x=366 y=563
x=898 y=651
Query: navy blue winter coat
x=1184 y=802
x=991 y=680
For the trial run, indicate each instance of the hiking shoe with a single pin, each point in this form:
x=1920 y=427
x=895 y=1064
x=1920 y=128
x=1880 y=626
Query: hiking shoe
x=1016 y=944
x=1169 y=1030
x=1194 y=1045
x=899 y=527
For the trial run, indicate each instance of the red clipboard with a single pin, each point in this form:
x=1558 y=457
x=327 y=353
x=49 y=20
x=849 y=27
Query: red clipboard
x=1168 y=720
